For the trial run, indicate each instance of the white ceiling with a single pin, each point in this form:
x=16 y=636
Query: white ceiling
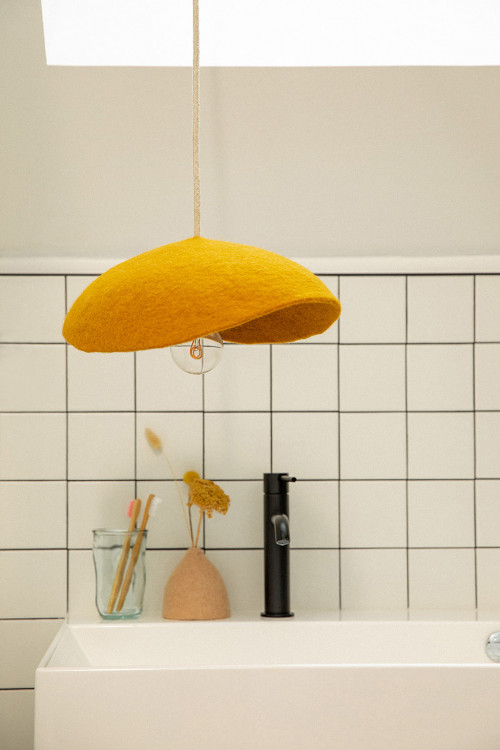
x=273 y=33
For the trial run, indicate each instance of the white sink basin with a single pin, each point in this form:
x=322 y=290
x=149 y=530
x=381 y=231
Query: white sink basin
x=251 y=684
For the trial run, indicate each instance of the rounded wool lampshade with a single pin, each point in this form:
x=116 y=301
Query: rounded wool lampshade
x=188 y=289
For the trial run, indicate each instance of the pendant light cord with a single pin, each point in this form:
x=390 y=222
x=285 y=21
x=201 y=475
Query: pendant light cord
x=196 y=116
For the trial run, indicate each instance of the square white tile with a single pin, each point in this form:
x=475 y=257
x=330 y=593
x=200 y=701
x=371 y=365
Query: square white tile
x=242 y=525
x=487 y=308
x=488 y=578
x=373 y=578
x=33 y=515
x=441 y=514
x=488 y=512
x=97 y=505
x=314 y=580
x=162 y=386
x=487 y=376
x=440 y=446
x=372 y=378
x=243 y=574
x=167 y=528
x=24 y=642
x=372 y=446
x=329 y=336
x=237 y=445
x=440 y=377
x=241 y=382
x=442 y=578
x=373 y=514
x=75 y=285
x=304 y=377
x=181 y=436
x=33 y=583
x=100 y=382
x=488 y=444
x=100 y=446
x=440 y=309
x=82 y=584
x=373 y=309
x=32 y=446
x=314 y=514
x=306 y=445
x=31 y=308
x=17 y=711
x=32 y=377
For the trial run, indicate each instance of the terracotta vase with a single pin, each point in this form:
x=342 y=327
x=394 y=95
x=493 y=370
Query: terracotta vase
x=195 y=590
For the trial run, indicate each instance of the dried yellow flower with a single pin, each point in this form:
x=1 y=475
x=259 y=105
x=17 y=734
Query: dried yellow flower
x=207 y=495
x=153 y=439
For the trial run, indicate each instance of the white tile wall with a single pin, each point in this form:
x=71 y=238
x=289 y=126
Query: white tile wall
x=440 y=445
x=441 y=578
x=487 y=380
x=100 y=382
x=373 y=514
x=440 y=377
x=372 y=377
x=390 y=420
x=373 y=309
x=487 y=308
x=304 y=379
x=162 y=386
x=372 y=446
x=440 y=308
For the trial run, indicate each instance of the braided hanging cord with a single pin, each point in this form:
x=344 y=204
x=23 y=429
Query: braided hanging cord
x=196 y=116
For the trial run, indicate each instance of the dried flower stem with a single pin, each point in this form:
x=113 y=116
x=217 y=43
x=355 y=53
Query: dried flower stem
x=156 y=444
x=199 y=528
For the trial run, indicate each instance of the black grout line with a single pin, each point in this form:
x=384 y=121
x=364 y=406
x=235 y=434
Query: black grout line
x=339 y=462
x=304 y=343
x=266 y=411
x=327 y=274
x=474 y=427
x=180 y=549
x=31 y=619
x=135 y=425
x=66 y=378
x=407 y=452
x=203 y=447
x=75 y=480
x=271 y=411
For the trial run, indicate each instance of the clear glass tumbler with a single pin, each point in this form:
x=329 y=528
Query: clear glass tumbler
x=120 y=569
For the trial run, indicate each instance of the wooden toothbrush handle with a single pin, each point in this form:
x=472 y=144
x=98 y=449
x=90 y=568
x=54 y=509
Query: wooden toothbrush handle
x=123 y=558
x=134 y=556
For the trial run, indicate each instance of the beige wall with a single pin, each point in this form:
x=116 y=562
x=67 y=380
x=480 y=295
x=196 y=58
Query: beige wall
x=307 y=162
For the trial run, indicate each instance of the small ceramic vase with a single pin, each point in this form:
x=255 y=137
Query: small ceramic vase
x=195 y=590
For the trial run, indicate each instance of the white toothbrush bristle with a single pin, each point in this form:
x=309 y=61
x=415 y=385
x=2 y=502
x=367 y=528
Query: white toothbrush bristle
x=154 y=505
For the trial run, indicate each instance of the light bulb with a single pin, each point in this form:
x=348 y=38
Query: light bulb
x=200 y=355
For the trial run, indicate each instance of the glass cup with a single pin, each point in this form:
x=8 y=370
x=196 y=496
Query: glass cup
x=120 y=569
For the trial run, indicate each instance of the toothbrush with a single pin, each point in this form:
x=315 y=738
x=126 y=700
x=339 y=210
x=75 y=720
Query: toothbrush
x=149 y=511
x=135 y=510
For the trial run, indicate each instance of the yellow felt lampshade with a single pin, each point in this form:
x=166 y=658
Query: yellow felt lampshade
x=188 y=289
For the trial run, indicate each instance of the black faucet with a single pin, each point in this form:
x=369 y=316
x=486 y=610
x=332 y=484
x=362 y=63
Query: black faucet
x=276 y=546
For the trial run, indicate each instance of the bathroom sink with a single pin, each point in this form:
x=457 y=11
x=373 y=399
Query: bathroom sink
x=247 y=683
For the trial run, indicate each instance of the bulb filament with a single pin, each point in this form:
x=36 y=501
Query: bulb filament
x=196 y=349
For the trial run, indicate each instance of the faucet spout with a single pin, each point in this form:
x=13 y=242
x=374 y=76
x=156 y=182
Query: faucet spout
x=281 y=529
